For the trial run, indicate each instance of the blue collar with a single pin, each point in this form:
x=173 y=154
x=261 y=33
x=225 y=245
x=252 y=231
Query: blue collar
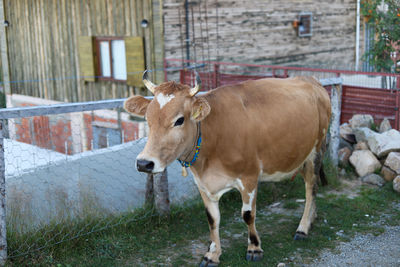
x=196 y=154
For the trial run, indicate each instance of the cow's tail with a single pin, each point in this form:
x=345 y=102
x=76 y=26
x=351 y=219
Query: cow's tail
x=322 y=176
x=318 y=164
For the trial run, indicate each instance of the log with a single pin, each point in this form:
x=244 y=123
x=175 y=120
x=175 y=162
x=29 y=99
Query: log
x=161 y=194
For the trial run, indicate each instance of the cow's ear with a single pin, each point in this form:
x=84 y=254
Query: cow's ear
x=200 y=109
x=136 y=105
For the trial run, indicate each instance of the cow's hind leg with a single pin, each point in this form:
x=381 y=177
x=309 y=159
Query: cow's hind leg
x=310 y=212
x=254 y=251
x=211 y=258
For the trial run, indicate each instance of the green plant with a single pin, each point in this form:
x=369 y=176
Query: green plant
x=374 y=127
x=2 y=100
x=349 y=170
x=378 y=170
x=331 y=171
x=291 y=204
x=384 y=16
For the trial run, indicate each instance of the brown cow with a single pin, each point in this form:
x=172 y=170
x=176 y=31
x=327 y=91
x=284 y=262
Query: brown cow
x=235 y=136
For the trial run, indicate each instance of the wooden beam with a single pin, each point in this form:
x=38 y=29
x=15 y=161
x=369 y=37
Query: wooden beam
x=4 y=52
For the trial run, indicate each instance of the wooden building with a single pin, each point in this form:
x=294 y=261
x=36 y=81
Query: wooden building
x=81 y=50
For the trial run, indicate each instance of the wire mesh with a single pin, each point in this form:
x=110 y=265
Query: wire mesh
x=72 y=174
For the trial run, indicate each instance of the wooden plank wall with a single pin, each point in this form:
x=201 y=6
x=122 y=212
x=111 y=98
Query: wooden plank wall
x=261 y=32
x=43 y=49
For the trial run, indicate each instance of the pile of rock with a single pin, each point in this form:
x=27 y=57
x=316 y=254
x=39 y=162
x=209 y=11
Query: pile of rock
x=374 y=153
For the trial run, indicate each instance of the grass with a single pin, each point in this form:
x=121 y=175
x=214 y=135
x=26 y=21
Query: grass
x=2 y=100
x=182 y=238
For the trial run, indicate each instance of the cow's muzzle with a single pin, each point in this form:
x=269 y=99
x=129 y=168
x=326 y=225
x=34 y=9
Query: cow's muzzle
x=145 y=165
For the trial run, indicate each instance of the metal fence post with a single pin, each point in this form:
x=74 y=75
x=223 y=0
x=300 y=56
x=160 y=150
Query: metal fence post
x=336 y=102
x=3 y=233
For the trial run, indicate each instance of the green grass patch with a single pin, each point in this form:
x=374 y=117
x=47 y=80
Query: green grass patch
x=142 y=238
x=291 y=204
x=331 y=173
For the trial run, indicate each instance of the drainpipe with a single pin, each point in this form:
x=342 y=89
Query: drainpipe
x=187 y=31
x=358 y=35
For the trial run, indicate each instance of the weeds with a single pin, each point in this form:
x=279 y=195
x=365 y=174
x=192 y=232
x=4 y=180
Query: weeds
x=374 y=127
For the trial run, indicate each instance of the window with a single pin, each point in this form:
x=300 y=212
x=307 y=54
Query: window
x=111 y=58
x=105 y=135
x=305 y=24
x=118 y=59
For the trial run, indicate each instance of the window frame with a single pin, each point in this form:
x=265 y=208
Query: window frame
x=307 y=17
x=98 y=40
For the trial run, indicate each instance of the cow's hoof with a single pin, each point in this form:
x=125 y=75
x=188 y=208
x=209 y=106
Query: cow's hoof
x=254 y=255
x=300 y=236
x=208 y=263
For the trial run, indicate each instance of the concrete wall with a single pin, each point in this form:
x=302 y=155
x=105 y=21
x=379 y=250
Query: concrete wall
x=99 y=182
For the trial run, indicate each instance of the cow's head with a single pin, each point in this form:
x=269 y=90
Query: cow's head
x=173 y=116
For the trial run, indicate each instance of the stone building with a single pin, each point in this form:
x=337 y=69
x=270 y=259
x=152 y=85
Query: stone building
x=291 y=32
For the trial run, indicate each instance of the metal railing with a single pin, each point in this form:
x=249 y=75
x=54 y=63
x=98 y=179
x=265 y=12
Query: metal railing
x=22 y=112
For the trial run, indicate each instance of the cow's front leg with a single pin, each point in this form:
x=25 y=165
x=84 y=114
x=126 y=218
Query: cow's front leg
x=254 y=251
x=211 y=258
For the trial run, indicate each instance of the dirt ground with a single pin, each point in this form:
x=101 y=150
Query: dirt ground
x=364 y=249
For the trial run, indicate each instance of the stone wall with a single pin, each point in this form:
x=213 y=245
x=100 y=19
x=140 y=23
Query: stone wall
x=262 y=32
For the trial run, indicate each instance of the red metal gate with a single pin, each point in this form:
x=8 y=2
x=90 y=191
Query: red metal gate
x=380 y=103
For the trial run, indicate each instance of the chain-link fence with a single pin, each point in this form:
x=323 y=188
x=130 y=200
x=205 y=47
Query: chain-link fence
x=70 y=171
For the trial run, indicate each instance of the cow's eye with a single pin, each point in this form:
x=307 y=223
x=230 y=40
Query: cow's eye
x=179 y=121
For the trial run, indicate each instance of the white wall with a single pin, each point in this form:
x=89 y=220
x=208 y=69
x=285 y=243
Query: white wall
x=100 y=182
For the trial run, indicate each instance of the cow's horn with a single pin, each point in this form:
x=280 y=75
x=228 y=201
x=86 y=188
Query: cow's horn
x=196 y=88
x=149 y=85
